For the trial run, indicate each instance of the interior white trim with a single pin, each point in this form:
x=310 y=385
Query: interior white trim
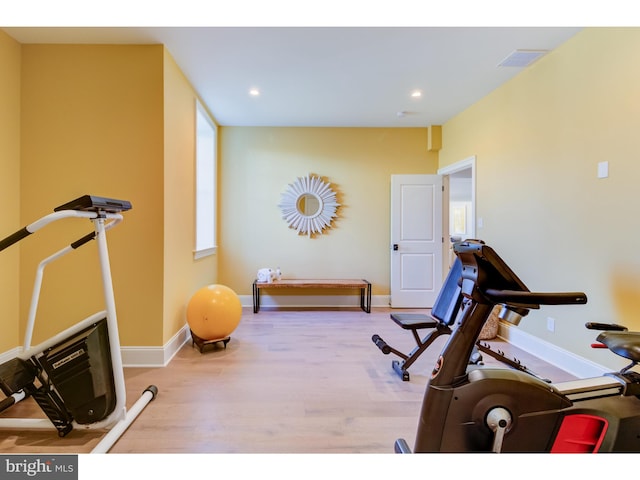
x=469 y=162
x=198 y=254
x=10 y=354
x=567 y=361
x=155 y=356
x=150 y=357
x=147 y=357
x=464 y=164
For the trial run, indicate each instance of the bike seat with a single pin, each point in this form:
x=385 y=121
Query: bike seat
x=625 y=344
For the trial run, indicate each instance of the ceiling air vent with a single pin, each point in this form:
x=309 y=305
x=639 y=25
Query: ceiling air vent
x=522 y=58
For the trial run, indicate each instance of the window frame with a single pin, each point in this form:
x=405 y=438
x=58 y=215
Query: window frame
x=206 y=161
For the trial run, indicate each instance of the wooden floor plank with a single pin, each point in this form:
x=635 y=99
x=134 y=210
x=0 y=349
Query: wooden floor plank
x=287 y=382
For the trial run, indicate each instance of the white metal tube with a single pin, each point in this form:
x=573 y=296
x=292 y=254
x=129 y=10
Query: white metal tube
x=112 y=320
x=26 y=423
x=52 y=217
x=119 y=420
x=119 y=411
x=19 y=396
x=116 y=432
x=35 y=296
x=59 y=337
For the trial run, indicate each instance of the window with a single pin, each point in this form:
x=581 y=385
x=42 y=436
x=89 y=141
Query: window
x=206 y=133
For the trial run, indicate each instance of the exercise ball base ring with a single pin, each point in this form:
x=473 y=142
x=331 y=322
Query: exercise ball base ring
x=204 y=344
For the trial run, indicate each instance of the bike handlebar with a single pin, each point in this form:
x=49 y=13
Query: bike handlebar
x=535 y=299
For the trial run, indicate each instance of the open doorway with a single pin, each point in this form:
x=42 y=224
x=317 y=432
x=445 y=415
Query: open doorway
x=459 y=212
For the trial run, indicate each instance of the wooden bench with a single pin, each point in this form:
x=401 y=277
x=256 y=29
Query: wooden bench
x=363 y=285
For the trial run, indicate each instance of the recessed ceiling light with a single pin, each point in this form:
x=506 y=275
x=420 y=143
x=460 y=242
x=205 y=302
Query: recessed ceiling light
x=416 y=94
x=254 y=92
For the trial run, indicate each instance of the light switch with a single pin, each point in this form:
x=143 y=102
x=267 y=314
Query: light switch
x=603 y=169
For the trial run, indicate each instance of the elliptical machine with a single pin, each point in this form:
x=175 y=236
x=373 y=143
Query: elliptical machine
x=76 y=377
x=481 y=409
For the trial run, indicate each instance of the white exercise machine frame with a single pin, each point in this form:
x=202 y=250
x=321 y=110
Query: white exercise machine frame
x=120 y=418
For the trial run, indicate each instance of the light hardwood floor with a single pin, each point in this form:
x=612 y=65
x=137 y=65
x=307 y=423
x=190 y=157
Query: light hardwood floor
x=288 y=382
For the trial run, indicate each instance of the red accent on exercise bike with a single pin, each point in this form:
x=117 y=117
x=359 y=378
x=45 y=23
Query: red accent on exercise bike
x=580 y=433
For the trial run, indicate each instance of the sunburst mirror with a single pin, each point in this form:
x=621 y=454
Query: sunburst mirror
x=309 y=205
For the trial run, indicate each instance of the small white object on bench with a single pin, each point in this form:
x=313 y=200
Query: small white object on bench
x=268 y=275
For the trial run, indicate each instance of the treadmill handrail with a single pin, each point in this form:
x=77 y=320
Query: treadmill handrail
x=52 y=217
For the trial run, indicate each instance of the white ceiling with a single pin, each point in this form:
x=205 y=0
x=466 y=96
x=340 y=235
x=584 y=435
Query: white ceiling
x=330 y=76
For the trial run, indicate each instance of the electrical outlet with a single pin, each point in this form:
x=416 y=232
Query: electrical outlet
x=551 y=324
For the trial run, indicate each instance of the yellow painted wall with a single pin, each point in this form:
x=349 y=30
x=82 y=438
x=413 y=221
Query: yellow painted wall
x=258 y=163
x=182 y=274
x=538 y=140
x=9 y=187
x=112 y=120
x=92 y=123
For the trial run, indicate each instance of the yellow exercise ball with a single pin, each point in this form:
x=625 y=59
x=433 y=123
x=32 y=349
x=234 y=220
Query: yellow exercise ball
x=214 y=312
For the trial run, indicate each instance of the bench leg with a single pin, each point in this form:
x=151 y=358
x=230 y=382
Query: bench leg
x=365 y=298
x=256 y=298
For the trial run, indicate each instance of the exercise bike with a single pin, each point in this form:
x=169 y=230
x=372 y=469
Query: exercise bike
x=481 y=409
x=440 y=321
x=76 y=377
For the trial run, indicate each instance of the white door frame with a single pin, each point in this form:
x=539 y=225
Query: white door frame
x=469 y=162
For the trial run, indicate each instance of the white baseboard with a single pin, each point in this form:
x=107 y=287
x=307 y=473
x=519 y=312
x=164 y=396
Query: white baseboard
x=148 y=357
x=567 y=361
x=8 y=355
x=311 y=301
x=160 y=356
x=155 y=356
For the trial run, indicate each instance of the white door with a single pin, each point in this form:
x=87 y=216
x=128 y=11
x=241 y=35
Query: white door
x=416 y=240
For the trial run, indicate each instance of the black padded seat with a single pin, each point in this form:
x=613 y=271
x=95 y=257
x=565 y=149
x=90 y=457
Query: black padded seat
x=625 y=344
x=414 y=321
